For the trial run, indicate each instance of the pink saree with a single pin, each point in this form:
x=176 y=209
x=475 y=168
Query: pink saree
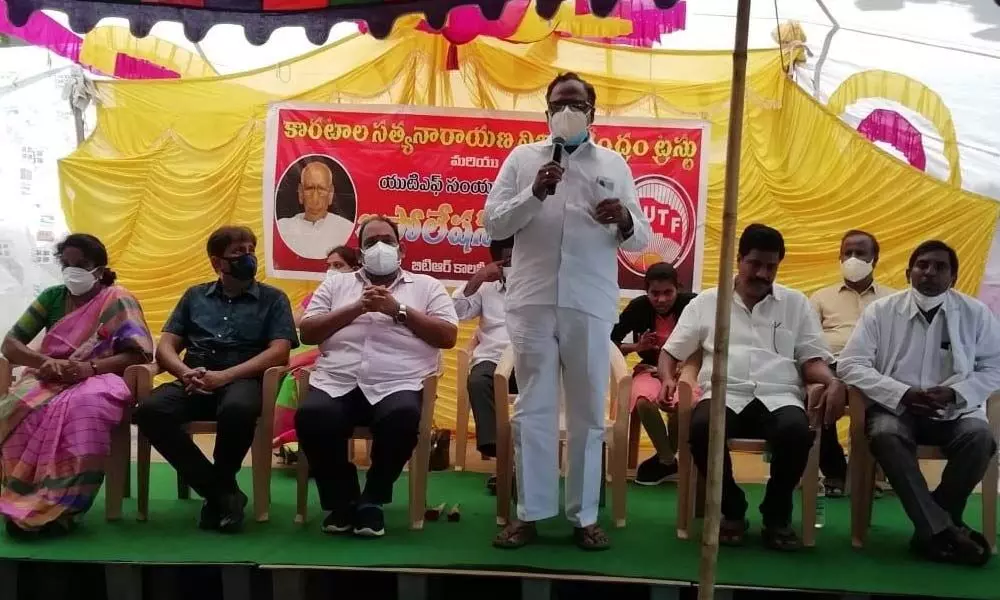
x=56 y=437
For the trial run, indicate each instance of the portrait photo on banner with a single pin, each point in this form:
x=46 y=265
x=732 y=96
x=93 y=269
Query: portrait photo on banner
x=315 y=208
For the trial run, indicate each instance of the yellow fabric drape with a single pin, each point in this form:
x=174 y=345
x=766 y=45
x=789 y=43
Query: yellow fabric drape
x=170 y=161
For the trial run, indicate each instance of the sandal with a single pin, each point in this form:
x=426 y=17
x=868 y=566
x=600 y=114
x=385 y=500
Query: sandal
x=591 y=538
x=732 y=531
x=516 y=534
x=782 y=539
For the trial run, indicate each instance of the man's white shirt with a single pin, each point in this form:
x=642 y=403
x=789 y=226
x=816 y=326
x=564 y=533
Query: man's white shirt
x=894 y=348
x=314 y=239
x=488 y=304
x=562 y=256
x=767 y=346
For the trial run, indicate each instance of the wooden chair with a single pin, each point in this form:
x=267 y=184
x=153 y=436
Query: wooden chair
x=419 y=461
x=464 y=407
x=260 y=451
x=862 y=472
x=116 y=481
x=690 y=497
x=615 y=435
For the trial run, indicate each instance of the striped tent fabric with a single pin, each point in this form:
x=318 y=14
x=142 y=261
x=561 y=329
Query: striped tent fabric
x=261 y=17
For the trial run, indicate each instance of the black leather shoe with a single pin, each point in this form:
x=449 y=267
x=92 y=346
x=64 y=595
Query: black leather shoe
x=232 y=507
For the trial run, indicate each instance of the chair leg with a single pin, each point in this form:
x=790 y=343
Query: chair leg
x=602 y=499
x=117 y=467
x=261 y=464
x=810 y=491
x=461 y=433
x=685 y=471
x=634 y=437
x=989 y=498
x=418 y=480
x=505 y=472
x=301 y=489
x=619 y=483
x=863 y=495
x=143 y=451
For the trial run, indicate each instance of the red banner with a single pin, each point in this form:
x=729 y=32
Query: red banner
x=329 y=168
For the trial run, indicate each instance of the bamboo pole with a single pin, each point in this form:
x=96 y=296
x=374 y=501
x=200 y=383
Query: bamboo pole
x=720 y=356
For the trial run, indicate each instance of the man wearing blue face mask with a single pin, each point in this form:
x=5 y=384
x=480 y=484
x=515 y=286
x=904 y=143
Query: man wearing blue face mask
x=927 y=359
x=231 y=330
x=569 y=204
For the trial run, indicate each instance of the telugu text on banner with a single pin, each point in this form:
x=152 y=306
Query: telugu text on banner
x=328 y=168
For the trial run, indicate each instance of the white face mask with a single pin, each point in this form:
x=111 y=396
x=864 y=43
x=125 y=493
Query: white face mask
x=854 y=269
x=570 y=125
x=381 y=259
x=926 y=303
x=78 y=281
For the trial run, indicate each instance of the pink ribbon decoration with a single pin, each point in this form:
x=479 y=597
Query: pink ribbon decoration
x=890 y=127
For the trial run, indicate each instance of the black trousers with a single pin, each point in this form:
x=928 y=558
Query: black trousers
x=325 y=424
x=484 y=407
x=832 y=461
x=786 y=431
x=235 y=409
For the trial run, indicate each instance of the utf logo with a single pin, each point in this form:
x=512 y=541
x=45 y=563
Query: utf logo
x=673 y=217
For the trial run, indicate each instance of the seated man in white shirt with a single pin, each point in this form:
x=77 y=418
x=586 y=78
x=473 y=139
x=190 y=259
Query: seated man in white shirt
x=927 y=359
x=776 y=347
x=483 y=297
x=380 y=331
x=315 y=230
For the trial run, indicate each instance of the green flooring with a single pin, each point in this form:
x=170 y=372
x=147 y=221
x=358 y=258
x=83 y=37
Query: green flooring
x=647 y=548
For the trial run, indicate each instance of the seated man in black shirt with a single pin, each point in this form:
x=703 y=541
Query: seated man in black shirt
x=233 y=330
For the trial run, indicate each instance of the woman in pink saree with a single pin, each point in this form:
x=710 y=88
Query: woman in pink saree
x=56 y=420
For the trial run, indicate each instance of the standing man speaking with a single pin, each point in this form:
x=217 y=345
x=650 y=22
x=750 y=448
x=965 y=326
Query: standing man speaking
x=569 y=204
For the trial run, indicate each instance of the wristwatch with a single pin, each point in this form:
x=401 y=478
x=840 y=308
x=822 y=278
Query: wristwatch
x=400 y=317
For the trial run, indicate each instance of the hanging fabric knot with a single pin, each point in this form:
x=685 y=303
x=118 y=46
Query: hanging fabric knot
x=79 y=90
x=451 y=60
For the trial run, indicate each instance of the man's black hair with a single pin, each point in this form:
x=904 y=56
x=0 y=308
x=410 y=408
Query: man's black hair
x=933 y=246
x=761 y=238
x=571 y=76
x=854 y=232
x=373 y=219
x=498 y=246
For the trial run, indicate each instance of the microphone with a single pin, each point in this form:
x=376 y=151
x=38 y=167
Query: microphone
x=557 y=151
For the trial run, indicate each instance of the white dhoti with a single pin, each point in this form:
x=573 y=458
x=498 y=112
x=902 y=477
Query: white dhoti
x=547 y=340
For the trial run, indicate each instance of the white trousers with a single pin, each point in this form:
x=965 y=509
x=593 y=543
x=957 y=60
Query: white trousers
x=550 y=342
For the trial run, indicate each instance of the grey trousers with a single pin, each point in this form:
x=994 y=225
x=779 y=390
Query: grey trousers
x=483 y=406
x=968 y=445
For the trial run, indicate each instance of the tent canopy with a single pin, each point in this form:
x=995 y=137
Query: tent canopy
x=260 y=17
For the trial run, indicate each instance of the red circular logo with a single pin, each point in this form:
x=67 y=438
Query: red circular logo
x=673 y=217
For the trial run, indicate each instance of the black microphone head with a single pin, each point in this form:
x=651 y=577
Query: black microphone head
x=558 y=141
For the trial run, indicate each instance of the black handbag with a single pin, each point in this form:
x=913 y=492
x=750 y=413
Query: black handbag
x=440 y=458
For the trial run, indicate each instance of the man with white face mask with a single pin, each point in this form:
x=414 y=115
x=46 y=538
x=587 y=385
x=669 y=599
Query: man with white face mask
x=568 y=218
x=381 y=331
x=927 y=360
x=839 y=307
x=482 y=297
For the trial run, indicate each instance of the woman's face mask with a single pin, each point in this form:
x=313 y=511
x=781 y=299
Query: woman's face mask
x=381 y=259
x=78 y=281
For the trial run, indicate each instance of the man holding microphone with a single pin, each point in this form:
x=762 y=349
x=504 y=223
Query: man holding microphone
x=569 y=204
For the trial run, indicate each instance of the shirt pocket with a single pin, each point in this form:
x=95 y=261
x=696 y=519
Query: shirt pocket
x=784 y=342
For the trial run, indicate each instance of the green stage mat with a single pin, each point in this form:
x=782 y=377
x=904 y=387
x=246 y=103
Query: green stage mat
x=647 y=548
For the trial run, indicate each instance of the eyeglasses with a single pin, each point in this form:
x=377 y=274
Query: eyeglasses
x=558 y=105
